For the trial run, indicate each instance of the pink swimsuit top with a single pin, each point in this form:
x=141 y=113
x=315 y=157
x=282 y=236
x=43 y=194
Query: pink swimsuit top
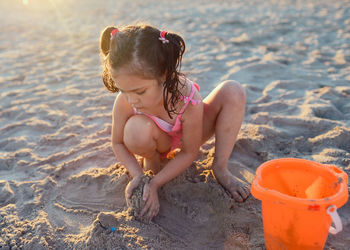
x=175 y=131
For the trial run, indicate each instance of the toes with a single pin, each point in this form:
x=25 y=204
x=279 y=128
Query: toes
x=247 y=190
x=238 y=190
x=237 y=197
x=240 y=193
x=244 y=192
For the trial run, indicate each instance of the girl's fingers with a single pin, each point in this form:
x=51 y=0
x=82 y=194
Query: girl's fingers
x=152 y=205
x=152 y=212
x=131 y=186
x=128 y=191
x=152 y=209
x=145 y=192
x=147 y=206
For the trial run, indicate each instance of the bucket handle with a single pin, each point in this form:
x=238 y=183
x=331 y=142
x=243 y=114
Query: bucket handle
x=332 y=211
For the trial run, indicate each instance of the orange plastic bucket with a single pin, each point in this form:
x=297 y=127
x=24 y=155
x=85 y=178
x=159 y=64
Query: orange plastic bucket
x=299 y=200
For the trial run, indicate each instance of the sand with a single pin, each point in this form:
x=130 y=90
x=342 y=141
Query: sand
x=61 y=186
x=136 y=203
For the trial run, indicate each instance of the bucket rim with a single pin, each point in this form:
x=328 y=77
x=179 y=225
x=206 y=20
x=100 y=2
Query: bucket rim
x=265 y=194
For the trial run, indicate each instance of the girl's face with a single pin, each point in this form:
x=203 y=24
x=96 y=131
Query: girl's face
x=141 y=93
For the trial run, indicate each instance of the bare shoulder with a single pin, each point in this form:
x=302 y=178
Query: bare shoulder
x=193 y=113
x=187 y=88
x=121 y=107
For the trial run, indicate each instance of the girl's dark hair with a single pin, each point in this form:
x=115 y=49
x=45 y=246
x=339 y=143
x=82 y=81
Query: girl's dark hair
x=138 y=48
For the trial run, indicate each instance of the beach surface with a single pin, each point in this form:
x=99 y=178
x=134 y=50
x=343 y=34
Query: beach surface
x=61 y=187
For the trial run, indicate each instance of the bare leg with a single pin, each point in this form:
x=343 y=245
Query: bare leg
x=223 y=114
x=144 y=138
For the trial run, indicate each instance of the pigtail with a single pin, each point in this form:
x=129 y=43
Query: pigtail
x=106 y=42
x=174 y=51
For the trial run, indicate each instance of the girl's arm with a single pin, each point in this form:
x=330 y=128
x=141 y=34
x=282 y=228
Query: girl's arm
x=121 y=113
x=192 y=124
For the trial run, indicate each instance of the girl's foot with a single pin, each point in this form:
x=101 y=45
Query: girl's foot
x=238 y=189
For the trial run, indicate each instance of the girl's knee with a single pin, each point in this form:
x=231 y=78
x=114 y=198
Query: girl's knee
x=138 y=133
x=233 y=91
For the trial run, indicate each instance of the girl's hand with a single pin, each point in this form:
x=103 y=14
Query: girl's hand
x=131 y=185
x=150 y=196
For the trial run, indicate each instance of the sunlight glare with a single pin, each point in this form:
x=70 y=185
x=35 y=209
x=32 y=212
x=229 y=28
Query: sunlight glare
x=60 y=17
x=25 y=2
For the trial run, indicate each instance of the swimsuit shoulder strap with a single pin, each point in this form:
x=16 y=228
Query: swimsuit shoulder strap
x=189 y=99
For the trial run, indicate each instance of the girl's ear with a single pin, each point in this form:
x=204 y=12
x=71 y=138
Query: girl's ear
x=163 y=77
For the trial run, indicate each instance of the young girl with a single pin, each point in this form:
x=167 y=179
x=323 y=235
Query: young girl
x=158 y=110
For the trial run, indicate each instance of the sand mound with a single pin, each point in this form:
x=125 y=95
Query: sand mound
x=136 y=203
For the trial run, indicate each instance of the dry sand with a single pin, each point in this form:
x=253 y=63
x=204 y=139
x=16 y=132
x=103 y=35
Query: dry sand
x=61 y=186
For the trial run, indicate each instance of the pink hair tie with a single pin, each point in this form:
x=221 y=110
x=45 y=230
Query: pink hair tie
x=115 y=31
x=162 y=37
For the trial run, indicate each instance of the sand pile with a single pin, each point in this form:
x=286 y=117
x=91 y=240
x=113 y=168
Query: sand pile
x=136 y=203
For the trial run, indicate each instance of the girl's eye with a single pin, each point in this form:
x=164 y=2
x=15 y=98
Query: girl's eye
x=140 y=93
